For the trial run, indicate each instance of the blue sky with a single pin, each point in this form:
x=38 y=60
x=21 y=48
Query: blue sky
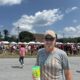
x=62 y=16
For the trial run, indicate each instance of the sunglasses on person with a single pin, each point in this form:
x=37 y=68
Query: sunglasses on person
x=49 y=38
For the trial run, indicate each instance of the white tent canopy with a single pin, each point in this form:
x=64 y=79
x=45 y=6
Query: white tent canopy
x=59 y=43
x=5 y=42
x=32 y=42
x=13 y=43
x=39 y=43
x=25 y=43
x=20 y=43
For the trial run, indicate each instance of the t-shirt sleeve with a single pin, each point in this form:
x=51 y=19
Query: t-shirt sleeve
x=65 y=62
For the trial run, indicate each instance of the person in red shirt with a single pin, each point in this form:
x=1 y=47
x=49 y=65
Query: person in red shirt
x=22 y=52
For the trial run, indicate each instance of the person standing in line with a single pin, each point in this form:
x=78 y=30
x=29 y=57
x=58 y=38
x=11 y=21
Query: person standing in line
x=22 y=52
x=53 y=62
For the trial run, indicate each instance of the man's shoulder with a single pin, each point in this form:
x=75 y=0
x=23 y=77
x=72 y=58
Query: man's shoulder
x=41 y=50
x=61 y=52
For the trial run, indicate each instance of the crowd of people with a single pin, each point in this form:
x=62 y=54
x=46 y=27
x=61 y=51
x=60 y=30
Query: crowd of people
x=69 y=48
x=13 y=48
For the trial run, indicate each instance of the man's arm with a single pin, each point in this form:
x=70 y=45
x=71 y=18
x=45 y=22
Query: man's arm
x=68 y=74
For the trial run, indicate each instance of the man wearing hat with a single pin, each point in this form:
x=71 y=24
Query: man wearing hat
x=53 y=62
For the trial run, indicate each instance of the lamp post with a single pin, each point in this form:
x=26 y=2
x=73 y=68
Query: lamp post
x=63 y=38
x=18 y=33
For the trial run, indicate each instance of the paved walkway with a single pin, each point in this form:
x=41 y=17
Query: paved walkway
x=10 y=68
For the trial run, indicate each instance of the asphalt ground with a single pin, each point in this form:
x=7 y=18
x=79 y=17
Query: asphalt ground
x=10 y=68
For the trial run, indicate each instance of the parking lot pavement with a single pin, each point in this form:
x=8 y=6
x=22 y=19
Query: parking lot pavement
x=75 y=66
x=10 y=68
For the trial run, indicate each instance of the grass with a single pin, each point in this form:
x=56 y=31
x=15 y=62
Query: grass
x=28 y=55
x=15 y=55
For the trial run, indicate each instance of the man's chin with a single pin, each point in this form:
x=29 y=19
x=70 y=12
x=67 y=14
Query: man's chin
x=49 y=47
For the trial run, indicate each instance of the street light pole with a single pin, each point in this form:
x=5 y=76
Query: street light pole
x=18 y=33
x=63 y=37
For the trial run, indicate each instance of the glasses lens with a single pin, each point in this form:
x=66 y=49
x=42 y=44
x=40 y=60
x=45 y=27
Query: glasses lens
x=49 y=38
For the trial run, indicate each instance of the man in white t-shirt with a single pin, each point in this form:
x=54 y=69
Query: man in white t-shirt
x=53 y=62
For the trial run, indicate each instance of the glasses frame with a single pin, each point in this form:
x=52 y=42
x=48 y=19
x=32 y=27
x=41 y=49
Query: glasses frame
x=49 y=39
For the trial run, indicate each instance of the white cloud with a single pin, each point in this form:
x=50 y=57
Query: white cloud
x=10 y=2
x=1 y=26
x=74 y=21
x=71 y=9
x=74 y=8
x=59 y=35
x=72 y=31
x=40 y=19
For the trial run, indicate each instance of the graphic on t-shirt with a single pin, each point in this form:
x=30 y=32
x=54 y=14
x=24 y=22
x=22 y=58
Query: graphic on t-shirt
x=51 y=69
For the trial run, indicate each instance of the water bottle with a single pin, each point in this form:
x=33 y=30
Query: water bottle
x=36 y=72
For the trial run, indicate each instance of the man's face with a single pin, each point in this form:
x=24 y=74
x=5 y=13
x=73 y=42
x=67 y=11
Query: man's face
x=49 y=42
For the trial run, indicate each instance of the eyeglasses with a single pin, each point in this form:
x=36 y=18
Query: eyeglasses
x=49 y=38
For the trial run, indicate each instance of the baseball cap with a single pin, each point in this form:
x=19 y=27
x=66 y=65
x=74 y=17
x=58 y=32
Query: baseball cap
x=50 y=33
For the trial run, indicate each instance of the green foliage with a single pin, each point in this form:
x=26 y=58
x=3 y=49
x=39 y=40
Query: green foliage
x=1 y=36
x=6 y=33
x=65 y=40
x=26 y=36
x=13 y=38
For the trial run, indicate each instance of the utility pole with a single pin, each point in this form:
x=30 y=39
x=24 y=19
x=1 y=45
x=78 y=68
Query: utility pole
x=18 y=33
x=63 y=37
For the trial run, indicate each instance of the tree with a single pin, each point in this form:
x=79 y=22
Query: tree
x=26 y=36
x=6 y=33
x=12 y=38
x=0 y=36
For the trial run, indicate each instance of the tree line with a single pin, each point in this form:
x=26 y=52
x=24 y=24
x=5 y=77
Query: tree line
x=23 y=36
x=26 y=36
